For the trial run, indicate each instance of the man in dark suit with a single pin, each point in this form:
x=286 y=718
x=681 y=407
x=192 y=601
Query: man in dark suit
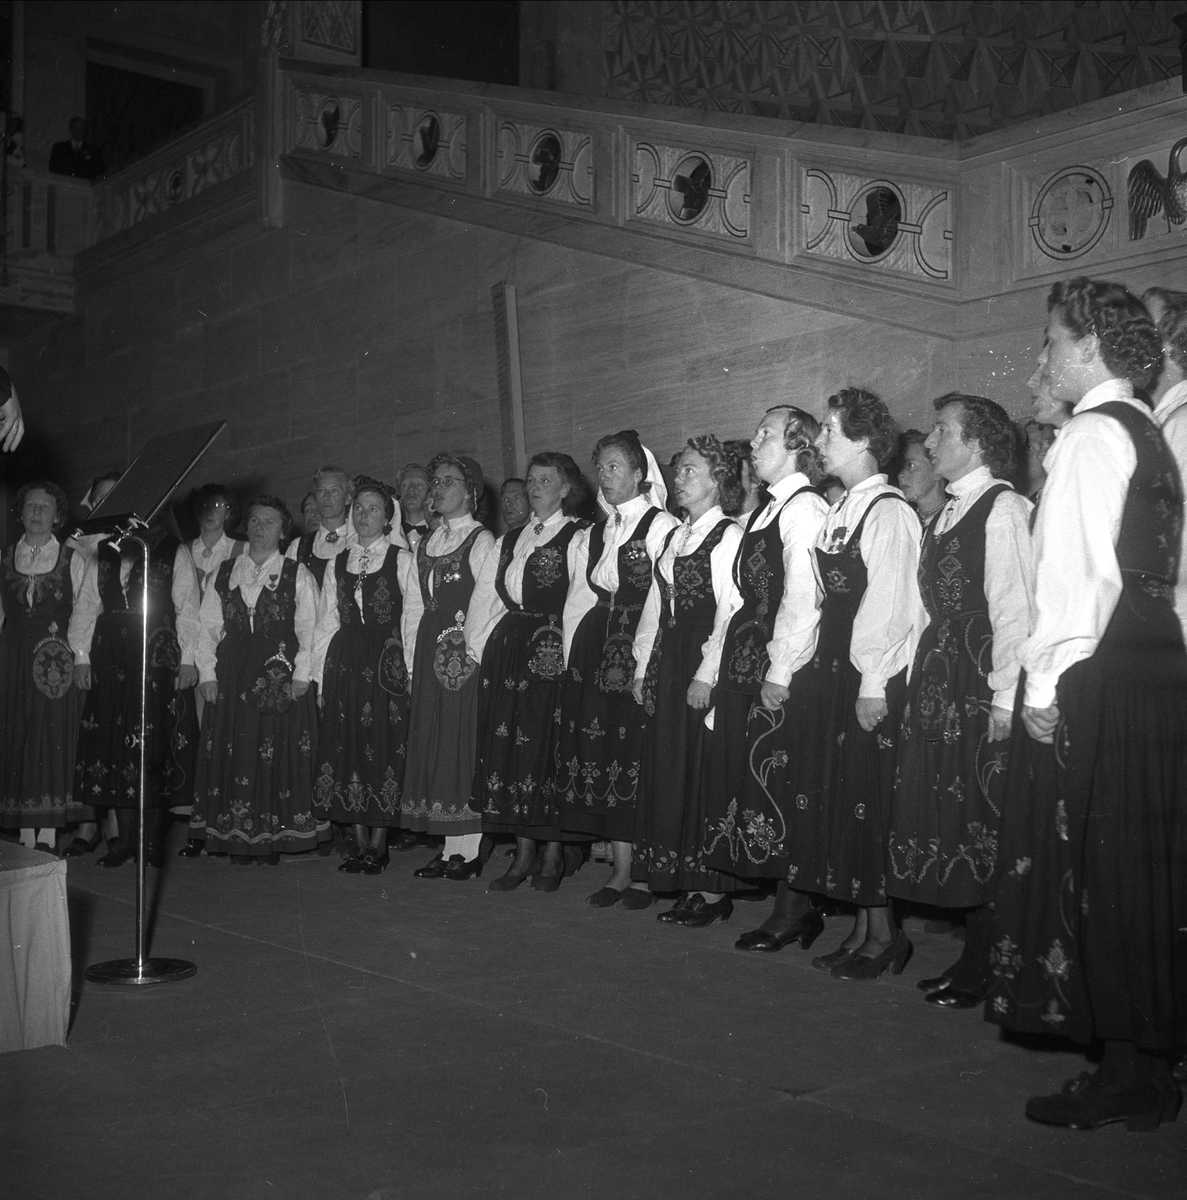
x=76 y=157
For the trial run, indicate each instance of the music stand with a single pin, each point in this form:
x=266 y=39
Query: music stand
x=126 y=512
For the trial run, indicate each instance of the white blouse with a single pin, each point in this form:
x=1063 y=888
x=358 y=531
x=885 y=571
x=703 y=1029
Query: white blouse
x=793 y=635
x=1077 y=578
x=686 y=541
x=891 y=616
x=343 y=536
x=89 y=605
x=360 y=560
x=1171 y=414
x=487 y=608
x=1009 y=572
x=40 y=560
x=251 y=581
x=208 y=559
x=446 y=538
x=621 y=522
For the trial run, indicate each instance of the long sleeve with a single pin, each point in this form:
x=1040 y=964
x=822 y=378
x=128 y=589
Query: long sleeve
x=1009 y=590
x=185 y=604
x=210 y=633
x=414 y=608
x=890 y=616
x=327 y=624
x=649 y=619
x=304 y=622
x=721 y=563
x=793 y=640
x=87 y=607
x=581 y=597
x=486 y=607
x=483 y=557
x=1077 y=578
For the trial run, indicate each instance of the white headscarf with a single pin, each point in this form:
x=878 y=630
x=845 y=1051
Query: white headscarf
x=652 y=487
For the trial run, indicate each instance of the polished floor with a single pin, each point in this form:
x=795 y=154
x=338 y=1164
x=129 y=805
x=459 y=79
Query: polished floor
x=394 y=1037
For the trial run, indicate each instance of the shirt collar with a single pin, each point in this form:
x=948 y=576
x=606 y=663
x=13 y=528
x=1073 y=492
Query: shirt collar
x=548 y=522
x=707 y=519
x=1103 y=393
x=630 y=511
x=870 y=481
x=53 y=541
x=245 y=564
x=1175 y=398
x=787 y=486
x=967 y=484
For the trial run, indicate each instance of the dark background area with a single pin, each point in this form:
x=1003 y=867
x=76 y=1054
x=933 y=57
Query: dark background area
x=476 y=40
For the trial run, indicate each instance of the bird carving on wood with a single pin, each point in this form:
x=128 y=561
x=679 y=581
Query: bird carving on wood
x=1151 y=194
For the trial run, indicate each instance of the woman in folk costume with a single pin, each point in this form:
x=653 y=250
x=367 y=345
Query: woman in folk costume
x=1091 y=902
x=358 y=665
x=766 y=656
x=254 y=791
x=977 y=579
x=677 y=651
x=107 y=630
x=438 y=584
x=516 y=626
x=318 y=547
x=40 y=578
x=600 y=747
x=1169 y=310
x=867 y=557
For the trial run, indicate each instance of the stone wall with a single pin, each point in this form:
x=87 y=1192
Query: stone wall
x=363 y=333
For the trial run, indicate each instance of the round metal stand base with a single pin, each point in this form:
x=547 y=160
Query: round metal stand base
x=129 y=972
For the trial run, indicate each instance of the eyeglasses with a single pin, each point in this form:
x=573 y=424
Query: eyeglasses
x=446 y=481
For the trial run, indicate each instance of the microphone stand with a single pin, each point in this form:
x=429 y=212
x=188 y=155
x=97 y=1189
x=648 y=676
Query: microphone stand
x=140 y=970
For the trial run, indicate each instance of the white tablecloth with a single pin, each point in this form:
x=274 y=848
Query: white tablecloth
x=34 y=949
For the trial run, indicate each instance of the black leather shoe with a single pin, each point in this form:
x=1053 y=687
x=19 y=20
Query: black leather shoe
x=80 y=846
x=192 y=849
x=805 y=931
x=669 y=914
x=374 y=862
x=954 y=997
x=117 y=854
x=459 y=869
x=352 y=863
x=698 y=912
x=433 y=869
x=1085 y=1104
x=936 y=983
x=826 y=962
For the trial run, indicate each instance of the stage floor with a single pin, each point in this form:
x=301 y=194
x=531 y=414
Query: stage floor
x=394 y=1037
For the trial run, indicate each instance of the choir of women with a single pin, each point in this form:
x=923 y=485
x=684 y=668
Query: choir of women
x=978 y=707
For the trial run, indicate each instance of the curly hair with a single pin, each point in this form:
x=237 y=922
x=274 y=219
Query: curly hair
x=989 y=425
x=725 y=468
x=799 y=436
x=55 y=493
x=274 y=502
x=213 y=491
x=1129 y=343
x=864 y=415
x=568 y=470
x=365 y=483
x=1171 y=323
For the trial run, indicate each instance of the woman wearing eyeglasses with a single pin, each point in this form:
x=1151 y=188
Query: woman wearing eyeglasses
x=437 y=585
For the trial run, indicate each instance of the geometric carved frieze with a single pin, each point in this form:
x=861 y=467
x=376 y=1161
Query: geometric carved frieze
x=882 y=223
x=212 y=154
x=697 y=189
x=538 y=161
x=1070 y=213
x=427 y=140
x=328 y=123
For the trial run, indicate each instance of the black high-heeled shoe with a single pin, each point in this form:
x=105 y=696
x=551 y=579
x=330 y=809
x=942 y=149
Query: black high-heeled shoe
x=805 y=930
x=512 y=879
x=698 y=912
x=433 y=869
x=374 y=862
x=352 y=863
x=668 y=916
x=826 y=962
x=192 y=849
x=1084 y=1103
x=117 y=854
x=459 y=869
x=860 y=966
